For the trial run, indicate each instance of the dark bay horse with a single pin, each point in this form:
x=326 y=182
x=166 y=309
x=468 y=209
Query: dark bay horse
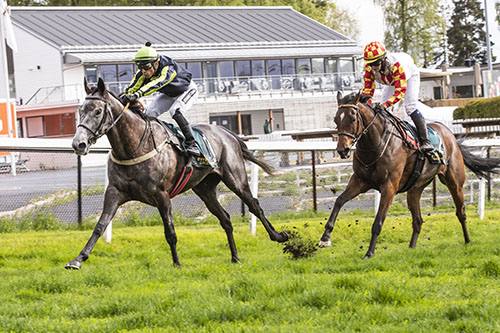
x=382 y=162
x=134 y=136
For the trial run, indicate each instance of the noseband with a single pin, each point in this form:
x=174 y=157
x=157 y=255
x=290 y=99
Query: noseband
x=96 y=133
x=359 y=122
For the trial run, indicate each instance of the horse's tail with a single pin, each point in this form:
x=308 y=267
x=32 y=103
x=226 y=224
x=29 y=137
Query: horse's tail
x=249 y=156
x=479 y=165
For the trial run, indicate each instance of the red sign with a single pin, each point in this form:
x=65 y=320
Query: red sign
x=4 y=123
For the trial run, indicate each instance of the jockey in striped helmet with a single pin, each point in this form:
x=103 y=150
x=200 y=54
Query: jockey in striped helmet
x=400 y=77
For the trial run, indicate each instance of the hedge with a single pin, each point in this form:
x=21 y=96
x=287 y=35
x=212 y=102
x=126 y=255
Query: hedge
x=481 y=108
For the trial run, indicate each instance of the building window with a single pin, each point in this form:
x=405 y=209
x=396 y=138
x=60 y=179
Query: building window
x=331 y=66
x=243 y=68
x=288 y=66
x=318 y=65
x=125 y=72
x=303 y=66
x=346 y=66
x=274 y=71
x=226 y=69
x=463 y=92
x=437 y=93
x=91 y=74
x=195 y=69
x=258 y=68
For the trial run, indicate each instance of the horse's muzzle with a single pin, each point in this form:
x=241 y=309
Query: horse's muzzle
x=344 y=153
x=80 y=147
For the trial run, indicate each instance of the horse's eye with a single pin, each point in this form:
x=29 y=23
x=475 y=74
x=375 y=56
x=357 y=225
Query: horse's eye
x=98 y=111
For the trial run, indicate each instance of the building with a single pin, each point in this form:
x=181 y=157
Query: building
x=250 y=63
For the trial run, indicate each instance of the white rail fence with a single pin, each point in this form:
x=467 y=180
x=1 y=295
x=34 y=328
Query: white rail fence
x=102 y=146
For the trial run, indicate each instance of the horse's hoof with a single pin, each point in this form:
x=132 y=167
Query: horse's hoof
x=368 y=255
x=325 y=243
x=73 y=264
x=235 y=260
x=283 y=237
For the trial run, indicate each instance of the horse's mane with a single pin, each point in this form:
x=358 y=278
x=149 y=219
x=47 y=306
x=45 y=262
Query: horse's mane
x=352 y=97
x=137 y=110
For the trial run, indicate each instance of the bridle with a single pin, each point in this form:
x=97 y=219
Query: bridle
x=360 y=122
x=97 y=133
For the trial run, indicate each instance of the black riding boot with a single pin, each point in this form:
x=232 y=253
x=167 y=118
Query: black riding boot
x=419 y=120
x=191 y=146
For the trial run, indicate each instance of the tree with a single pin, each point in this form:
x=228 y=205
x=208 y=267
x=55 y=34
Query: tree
x=412 y=26
x=497 y=12
x=467 y=36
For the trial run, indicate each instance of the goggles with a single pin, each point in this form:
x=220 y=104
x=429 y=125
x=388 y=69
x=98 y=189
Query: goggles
x=145 y=66
x=376 y=63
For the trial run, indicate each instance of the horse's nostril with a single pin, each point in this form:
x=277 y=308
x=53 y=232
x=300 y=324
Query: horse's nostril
x=82 y=146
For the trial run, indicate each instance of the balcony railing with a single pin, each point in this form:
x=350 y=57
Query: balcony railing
x=222 y=85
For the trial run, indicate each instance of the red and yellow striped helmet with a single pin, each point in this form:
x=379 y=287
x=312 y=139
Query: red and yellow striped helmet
x=373 y=52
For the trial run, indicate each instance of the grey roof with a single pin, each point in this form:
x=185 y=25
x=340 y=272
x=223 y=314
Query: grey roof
x=90 y=26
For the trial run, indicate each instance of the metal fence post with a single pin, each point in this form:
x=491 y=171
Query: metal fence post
x=79 y=181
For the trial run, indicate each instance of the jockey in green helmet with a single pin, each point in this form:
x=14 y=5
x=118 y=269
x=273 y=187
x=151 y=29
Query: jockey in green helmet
x=176 y=92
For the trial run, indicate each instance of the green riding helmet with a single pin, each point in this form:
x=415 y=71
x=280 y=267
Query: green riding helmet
x=146 y=54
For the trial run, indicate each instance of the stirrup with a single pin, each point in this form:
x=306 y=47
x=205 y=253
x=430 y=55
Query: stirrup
x=192 y=149
x=426 y=147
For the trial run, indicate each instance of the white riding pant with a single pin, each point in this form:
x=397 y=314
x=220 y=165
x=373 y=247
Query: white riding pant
x=411 y=96
x=163 y=103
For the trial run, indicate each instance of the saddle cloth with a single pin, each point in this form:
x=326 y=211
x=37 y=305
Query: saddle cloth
x=411 y=137
x=208 y=158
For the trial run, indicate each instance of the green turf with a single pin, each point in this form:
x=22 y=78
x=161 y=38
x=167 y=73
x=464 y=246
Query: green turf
x=130 y=284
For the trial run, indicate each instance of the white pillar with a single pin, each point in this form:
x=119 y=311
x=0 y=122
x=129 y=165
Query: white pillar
x=254 y=186
x=376 y=201
x=481 y=199
x=109 y=229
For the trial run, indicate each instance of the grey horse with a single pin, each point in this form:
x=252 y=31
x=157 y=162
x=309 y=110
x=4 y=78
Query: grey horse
x=146 y=164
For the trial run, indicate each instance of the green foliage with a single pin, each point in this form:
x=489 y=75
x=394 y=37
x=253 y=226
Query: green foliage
x=467 y=36
x=412 y=26
x=480 y=108
x=38 y=221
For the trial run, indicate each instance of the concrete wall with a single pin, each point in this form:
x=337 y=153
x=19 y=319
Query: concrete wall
x=36 y=64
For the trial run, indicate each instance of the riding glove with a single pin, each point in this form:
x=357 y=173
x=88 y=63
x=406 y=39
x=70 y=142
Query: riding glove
x=379 y=107
x=132 y=98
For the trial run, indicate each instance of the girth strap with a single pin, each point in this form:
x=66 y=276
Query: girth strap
x=181 y=183
x=417 y=171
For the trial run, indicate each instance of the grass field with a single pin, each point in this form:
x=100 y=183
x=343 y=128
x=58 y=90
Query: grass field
x=130 y=284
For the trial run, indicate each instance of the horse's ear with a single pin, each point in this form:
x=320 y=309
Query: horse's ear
x=101 y=86
x=358 y=97
x=86 y=85
x=365 y=98
x=339 y=97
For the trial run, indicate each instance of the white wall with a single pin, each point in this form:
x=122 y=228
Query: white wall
x=73 y=81
x=37 y=64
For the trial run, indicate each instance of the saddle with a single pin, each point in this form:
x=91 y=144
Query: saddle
x=208 y=158
x=409 y=135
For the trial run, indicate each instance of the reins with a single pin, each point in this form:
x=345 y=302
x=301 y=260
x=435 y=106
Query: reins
x=96 y=134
